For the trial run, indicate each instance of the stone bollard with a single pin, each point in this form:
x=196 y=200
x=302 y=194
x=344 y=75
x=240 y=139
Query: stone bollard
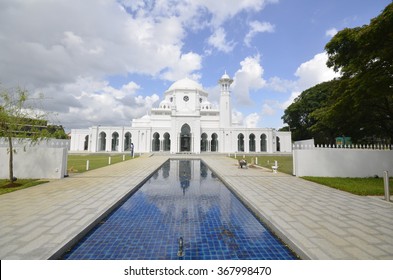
x=109 y=160
x=386 y=185
x=87 y=164
x=124 y=157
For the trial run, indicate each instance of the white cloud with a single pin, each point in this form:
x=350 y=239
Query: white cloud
x=309 y=74
x=257 y=27
x=182 y=67
x=314 y=71
x=251 y=121
x=331 y=32
x=94 y=102
x=248 y=78
x=218 y=40
x=268 y=110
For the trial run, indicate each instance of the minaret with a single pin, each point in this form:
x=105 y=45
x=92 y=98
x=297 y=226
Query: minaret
x=225 y=101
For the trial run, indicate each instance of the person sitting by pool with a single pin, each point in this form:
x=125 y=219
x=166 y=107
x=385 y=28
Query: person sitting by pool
x=242 y=163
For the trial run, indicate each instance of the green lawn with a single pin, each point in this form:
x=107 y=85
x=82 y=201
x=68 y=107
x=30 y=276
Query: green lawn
x=18 y=185
x=359 y=186
x=285 y=163
x=77 y=163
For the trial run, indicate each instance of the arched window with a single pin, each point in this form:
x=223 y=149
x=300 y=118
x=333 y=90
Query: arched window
x=263 y=143
x=102 y=141
x=115 y=141
x=167 y=142
x=251 y=142
x=240 y=142
x=185 y=138
x=278 y=144
x=156 y=142
x=86 y=143
x=203 y=142
x=127 y=141
x=214 y=143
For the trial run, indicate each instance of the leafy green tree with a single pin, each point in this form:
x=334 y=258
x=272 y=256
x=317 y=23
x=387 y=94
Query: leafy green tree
x=19 y=121
x=299 y=115
x=362 y=105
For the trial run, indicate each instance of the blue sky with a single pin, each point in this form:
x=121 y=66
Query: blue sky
x=106 y=62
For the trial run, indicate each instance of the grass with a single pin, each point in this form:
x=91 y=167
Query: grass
x=7 y=187
x=77 y=163
x=359 y=186
x=285 y=163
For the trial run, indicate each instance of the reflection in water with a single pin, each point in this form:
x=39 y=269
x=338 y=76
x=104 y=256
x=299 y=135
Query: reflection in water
x=209 y=219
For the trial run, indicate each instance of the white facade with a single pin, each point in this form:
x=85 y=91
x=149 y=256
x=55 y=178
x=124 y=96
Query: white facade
x=184 y=122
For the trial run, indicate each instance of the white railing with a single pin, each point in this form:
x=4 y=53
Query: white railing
x=23 y=142
x=359 y=147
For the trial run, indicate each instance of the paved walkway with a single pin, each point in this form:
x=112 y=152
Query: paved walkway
x=37 y=222
x=316 y=221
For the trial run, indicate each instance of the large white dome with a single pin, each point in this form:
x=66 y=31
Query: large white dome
x=186 y=83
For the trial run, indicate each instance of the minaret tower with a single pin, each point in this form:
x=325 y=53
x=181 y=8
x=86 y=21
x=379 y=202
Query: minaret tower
x=225 y=101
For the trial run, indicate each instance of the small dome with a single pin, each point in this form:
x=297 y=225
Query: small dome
x=225 y=76
x=185 y=83
x=206 y=105
x=166 y=104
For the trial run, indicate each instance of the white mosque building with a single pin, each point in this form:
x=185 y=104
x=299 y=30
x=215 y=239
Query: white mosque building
x=184 y=122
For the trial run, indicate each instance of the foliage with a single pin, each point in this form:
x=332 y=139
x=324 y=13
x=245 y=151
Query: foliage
x=299 y=115
x=362 y=105
x=18 y=121
x=359 y=104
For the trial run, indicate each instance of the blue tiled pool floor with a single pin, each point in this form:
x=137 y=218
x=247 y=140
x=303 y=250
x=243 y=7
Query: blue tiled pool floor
x=182 y=200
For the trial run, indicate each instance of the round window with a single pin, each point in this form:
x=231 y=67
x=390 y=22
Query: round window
x=186 y=98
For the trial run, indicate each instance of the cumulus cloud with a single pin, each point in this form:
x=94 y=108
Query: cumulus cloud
x=248 y=78
x=219 y=41
x=69 y=49
x=309 y=74
x=314 y=71
x=257 y=27
x=96 y=103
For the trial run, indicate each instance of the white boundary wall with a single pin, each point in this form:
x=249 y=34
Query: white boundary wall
x=342 y=162
x=47 y=159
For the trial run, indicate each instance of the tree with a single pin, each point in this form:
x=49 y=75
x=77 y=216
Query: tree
x=18 y=120
x=362 y=105
x=299 y=115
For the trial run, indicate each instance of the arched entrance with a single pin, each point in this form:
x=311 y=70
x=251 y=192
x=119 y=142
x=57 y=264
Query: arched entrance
x=185 y=138
x=156 y=142
x=115 y=141
x=102 y=141
x=204 y=142
x=214 y=143
x=240 y=142
x=167 y=142
x=251 y=142
x=127 y=141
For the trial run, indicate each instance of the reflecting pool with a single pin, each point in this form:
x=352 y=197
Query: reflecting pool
x=182 y=212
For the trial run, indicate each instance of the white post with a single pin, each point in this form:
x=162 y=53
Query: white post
x=386 y=185
x=256 y=160
x=109 y=160
x=87 y=164
x=124 y=157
